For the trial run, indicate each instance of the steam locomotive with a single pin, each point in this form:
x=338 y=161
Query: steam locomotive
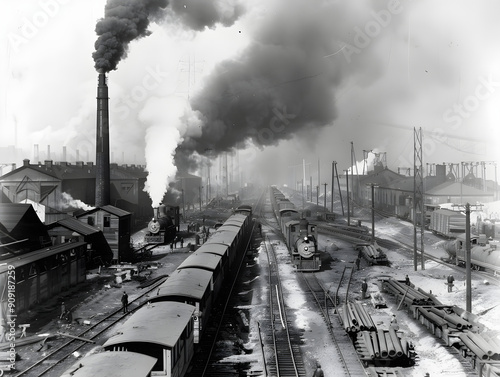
x=300 y=235
x=163 y=228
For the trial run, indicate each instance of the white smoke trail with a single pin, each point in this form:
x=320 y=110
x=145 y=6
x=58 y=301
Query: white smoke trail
x=169 y=121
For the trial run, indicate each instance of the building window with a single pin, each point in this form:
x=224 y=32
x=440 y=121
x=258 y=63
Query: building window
x=107 y=221
x=90 y=220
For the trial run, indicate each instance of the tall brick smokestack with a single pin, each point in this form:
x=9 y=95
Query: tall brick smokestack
x=102 y=178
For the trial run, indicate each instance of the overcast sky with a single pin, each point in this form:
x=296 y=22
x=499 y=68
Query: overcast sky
x=286 y=79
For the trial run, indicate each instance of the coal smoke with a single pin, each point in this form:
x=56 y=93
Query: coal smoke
x=127 y=20
x=124 y=21
x=285 y=83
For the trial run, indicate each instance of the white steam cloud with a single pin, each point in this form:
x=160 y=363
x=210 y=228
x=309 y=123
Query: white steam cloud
x=169 y=121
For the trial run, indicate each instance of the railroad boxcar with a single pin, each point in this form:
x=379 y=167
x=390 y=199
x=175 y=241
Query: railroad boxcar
x=112 y=364
x=163 y=330
x=447 y=223
x=193 y=286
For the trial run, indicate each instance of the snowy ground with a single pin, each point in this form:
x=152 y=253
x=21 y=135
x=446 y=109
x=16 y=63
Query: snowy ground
x=434 y=357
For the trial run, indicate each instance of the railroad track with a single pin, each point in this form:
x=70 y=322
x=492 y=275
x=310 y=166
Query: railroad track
x=54 y=361
x=346 y=353
x=284 y=343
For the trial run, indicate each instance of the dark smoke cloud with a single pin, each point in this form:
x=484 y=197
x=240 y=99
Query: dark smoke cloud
x=198 y=14
x=126 y=20
x=284 y=83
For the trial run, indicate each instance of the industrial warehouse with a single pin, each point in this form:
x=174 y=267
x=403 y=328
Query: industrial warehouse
x=234 y=188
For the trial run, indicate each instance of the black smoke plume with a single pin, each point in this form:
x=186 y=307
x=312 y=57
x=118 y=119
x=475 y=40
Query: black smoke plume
x=126 y=20
x=286 y=82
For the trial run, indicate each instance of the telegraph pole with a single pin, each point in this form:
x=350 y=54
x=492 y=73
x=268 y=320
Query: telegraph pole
x=325 y=195
x=348 y=209
x=468 y=287
x=373 y=185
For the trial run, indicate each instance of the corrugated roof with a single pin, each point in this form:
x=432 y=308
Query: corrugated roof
x=12 y=213
x=452 y=188
x=203 y=260
x=33 y=256
x=160 y=323
x=112 y=364
x=188 y=282
x=76 y=225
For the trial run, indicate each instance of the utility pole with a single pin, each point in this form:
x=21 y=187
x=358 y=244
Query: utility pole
x=348 y=210
x=373 y=185
x=200 y=197
x=333 y=185
x=325 y=195
x=468 y=287
x=418 y=197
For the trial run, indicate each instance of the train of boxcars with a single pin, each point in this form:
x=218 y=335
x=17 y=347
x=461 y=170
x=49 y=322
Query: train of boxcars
x=160 y=338
x=485 y=251
x=300 y=235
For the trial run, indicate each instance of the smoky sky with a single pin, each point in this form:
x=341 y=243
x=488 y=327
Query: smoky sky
x=128 y=20
x=284 y=82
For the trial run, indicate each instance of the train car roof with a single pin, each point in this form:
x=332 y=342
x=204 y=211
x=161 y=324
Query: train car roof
x=33 y=256
x=292 y=222
x=213 y=248
x=188 y=282
x=203 y=260
x=112 y=364
x=160 y=323
x=224 y=236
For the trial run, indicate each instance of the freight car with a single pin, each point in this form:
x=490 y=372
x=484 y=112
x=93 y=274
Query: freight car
x=300 y=235
x=162 y=228
x=447 y=223
x=485 y=254
x=168 y=328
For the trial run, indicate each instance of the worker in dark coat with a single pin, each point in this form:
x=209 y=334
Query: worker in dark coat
x=364 y=288
x=407 y=280
x=125 y=302
x=318 y=372
x=450 y=279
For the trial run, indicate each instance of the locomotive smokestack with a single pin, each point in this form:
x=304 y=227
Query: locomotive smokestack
x=102 y=178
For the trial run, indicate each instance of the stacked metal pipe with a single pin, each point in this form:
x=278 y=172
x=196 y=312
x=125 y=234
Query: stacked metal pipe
x=482 y=345
x=410 y=294
x=382 y=344
x=355 y=318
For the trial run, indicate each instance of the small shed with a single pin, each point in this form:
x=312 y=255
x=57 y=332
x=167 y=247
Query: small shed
x=71 y=229
x=115 y=224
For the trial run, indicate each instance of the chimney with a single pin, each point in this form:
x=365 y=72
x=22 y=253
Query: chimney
x=102 y=178
x=48 y=152
x=64 y=153
x=36 y=157
x=77 y=155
